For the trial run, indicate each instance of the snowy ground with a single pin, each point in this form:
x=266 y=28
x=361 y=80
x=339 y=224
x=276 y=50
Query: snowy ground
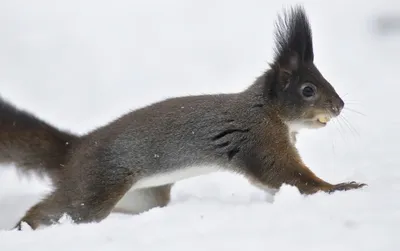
x=79 y=64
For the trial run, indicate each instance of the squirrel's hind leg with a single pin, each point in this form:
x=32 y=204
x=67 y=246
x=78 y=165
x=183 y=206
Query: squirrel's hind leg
x=83 y=203
x=46 y=212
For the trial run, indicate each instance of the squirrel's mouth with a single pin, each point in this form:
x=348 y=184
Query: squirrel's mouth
x=315 y=122
x=323 y=119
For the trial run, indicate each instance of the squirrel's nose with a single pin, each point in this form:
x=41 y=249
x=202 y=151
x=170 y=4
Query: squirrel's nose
x=337 y=106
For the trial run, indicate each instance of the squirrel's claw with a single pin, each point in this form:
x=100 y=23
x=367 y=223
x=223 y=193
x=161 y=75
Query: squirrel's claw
x=346 y=186
x=21 y=226
x=18 y=226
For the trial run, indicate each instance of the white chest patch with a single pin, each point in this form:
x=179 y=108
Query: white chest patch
x=294 y=128
x=174 y=176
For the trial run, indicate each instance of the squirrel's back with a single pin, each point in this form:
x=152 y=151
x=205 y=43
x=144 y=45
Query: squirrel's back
x=176 y=133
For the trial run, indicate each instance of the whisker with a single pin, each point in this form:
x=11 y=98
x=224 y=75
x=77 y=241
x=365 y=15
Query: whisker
x=343 y=129
x=352 y=103
x=350 y=126
x=339 y=126
x=350 y=100
x=357 y=112
x=333 y=157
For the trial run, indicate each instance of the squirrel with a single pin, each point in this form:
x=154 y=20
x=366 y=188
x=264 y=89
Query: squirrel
x=251 y=133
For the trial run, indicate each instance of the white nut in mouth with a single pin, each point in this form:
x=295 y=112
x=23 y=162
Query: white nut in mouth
x=323 y=119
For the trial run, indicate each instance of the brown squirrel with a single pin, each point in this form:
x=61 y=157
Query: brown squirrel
x=252 y=132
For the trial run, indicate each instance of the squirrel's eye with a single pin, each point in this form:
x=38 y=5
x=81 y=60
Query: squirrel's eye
x=308 y=91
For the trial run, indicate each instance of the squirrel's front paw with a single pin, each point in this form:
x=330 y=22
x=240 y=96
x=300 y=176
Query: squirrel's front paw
x=346 y=186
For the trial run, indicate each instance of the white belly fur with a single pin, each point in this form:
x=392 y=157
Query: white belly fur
x=174 y=176
x=137 y=200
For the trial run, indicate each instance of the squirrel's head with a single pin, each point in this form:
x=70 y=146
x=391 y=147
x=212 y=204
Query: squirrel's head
x=295 y=84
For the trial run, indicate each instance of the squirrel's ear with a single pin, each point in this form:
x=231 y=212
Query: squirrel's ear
x=293 y=40
x=284 y=68
x=288 y=62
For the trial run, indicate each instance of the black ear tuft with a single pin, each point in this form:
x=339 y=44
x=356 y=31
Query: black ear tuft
x=293 y=39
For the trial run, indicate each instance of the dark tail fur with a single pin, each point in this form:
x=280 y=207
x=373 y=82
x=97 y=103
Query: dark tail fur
x=30 y=143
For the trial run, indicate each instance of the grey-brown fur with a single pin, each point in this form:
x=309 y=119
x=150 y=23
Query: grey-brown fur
x=247 y=132
x=32 y=144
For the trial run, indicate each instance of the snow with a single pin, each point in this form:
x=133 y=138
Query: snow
x=79 y=64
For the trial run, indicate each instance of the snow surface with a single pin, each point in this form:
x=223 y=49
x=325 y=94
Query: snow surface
x=79 y=64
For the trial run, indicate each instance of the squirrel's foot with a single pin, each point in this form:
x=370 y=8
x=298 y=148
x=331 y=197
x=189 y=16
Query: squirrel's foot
x=17 y=227
x=22 y=226
x=346 y=186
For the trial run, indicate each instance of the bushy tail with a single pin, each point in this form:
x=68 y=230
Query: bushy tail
x=30 y=143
